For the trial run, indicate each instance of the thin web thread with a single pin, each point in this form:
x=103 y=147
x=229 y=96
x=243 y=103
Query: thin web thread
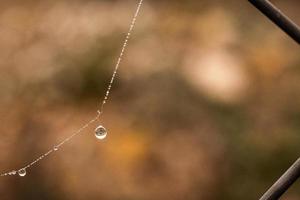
x=99 y=112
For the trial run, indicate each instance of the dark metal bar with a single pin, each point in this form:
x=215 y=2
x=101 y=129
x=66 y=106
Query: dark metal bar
x=281 y=20
x=283 y=183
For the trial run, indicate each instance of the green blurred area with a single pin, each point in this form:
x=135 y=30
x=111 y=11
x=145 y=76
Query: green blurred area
x=205 y=104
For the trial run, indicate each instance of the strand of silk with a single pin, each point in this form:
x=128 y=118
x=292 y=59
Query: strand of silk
x=22 y=171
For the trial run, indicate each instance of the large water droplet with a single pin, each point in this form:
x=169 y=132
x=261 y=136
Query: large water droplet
x=22 y=172
x=55 y=148
x=100 y=132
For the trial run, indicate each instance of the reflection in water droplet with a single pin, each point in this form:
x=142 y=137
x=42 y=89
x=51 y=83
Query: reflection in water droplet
x=100 y=132
x=22 y=172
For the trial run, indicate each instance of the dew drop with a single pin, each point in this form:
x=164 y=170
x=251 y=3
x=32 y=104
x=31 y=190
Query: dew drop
x=12 y=173
x=55 y=148
x=100 y=132
x=22 y=172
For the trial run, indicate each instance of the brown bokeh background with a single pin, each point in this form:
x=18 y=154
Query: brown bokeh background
x=206 y=104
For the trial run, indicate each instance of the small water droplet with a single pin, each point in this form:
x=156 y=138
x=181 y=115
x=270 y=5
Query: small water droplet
x=55 y=148
x=22 y=172
x=100 y=132
x=12 y=173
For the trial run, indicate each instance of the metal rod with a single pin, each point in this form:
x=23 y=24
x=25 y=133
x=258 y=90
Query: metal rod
x=283 y=183
x=281 y=20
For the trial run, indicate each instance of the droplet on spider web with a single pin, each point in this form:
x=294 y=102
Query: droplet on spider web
x=22 y=172
x=12 y=173
x=55 y=148
x=100 y=132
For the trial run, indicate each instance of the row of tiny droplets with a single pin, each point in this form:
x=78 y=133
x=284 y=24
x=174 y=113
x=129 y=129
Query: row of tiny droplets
x=22 y=171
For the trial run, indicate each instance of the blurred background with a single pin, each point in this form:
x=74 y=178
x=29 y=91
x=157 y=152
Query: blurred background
x=206 y=104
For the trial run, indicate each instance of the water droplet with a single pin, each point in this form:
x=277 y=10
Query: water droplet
x=55 y=148
x=100 y=132
x=22 y=172
x=12 y=173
